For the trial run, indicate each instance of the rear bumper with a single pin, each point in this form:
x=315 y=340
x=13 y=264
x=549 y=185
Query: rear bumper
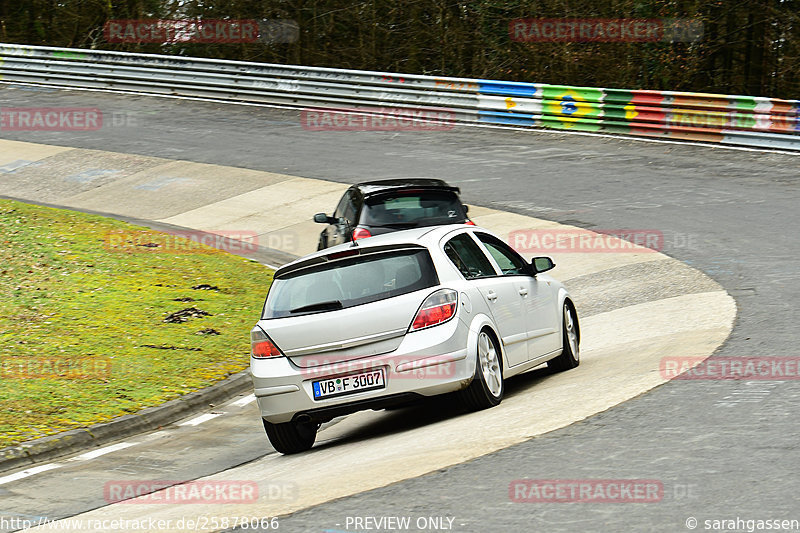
x=427 y=363
x=323 y=414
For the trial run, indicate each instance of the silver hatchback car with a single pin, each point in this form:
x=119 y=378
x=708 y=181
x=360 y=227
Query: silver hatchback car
x=385 y=320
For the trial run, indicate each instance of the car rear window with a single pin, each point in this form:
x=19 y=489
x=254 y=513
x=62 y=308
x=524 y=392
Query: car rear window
x=349 y=282
x=413 y=209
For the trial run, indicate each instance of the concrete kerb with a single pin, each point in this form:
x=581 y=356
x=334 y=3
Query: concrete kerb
x=76 y=440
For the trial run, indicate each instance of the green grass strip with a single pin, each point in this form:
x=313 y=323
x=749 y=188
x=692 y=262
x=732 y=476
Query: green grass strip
x=83 y=301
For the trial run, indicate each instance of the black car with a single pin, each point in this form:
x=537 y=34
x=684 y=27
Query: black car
x=375 y=207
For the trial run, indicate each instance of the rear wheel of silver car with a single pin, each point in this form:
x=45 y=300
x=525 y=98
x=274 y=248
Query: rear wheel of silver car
x=487 y=388
x=570 y=354
x=291 y=437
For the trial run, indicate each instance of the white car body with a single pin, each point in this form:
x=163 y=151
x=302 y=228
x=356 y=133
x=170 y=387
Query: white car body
x=522 y=314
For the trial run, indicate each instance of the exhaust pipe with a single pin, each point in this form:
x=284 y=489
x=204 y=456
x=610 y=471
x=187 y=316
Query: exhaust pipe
x=303 y=418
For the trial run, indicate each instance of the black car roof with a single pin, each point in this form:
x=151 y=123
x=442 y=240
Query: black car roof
x=368 y=188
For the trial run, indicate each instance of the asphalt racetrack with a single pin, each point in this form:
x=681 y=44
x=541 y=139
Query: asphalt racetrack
x=722 y=450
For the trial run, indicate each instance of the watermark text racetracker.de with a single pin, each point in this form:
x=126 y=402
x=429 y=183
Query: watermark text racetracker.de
x=173 y=31
x=239 y=242
x=68 y=368
x=586 y=491
x=63 y=119
x=544 y=241
x=731 y=368
x=604 y=30
x=50 y=119
x=422 y=368
x=200 y=492
x=178 y=241
x=270 y=31
x=377 y=119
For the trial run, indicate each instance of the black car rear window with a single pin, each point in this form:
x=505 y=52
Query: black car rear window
x=413 y=209
x=349 y=282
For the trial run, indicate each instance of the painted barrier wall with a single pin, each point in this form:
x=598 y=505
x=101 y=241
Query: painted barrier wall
x=727 y=119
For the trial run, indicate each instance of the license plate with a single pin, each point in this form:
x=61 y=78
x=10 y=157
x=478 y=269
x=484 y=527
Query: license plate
x=364 y=381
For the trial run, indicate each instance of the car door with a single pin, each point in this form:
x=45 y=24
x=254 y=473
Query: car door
x=352 y=212
x=499 y=293
x=542 y=326
x=338 y=232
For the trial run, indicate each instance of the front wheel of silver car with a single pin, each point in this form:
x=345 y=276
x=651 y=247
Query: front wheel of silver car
x=570 y=354
x=291 y=437
x=487 y=388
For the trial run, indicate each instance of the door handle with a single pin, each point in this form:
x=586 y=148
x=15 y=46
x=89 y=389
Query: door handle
x=491 y=295
x=523 y=291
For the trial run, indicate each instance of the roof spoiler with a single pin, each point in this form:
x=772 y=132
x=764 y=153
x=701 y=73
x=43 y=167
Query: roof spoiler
x=415 y=188
x=345 y=254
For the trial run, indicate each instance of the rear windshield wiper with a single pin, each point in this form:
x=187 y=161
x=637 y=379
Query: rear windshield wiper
x=320 y=306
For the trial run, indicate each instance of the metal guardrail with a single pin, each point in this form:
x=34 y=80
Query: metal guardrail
x=735 y=120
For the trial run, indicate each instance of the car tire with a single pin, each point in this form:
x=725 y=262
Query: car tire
x=291 y=437
x=570 y=354
x=486 y=388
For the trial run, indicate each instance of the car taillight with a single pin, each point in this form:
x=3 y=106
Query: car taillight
x=361 y=233
x=469 y=223
x=261 y=346
x=437 y=308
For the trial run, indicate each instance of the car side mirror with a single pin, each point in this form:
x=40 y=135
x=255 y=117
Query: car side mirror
x=466 y=208
x=541 y=264
x=322 y=218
